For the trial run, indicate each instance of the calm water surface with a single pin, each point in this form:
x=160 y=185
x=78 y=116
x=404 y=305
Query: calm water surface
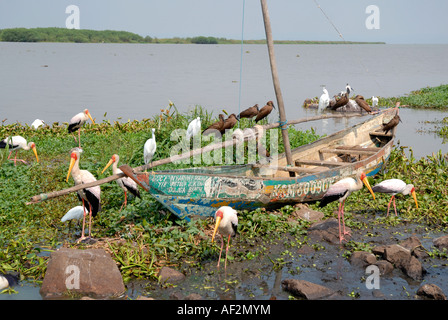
x=54 y=81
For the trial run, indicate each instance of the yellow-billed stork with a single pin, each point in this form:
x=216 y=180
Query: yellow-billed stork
x=394 y=187
x=77 y=121
x=90 y=197
x=125 y=183
x=16 y=143
x=340 y=191
x=226 y=223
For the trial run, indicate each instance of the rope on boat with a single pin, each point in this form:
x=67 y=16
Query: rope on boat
x=342 y=37
x=283 y=124
x=339 y=33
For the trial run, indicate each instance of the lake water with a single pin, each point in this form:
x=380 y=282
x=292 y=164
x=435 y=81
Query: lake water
x=54 y=81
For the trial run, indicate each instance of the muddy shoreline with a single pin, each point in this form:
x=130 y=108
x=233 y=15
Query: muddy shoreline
x=317 y=261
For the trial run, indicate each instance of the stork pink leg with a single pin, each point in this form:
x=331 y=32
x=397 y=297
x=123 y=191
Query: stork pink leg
x=395 y=208
x=15 y=158
x=83 y=221
x=125 y=201
x=343 y=219
x=388 y=206
x=339 y=223
x=227 y=250
x=222 y=246
x=90 y=223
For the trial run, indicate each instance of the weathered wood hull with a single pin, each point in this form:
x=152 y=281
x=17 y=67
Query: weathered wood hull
x=198 y=192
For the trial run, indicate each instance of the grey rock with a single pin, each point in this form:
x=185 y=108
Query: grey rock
x=90 y=272
x=431 y=291
x=169 y=275
x=305 y=289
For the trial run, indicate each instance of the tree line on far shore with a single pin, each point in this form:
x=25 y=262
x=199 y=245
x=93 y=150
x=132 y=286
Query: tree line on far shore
x=112 y=36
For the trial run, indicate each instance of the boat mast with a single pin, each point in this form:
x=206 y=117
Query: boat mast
x=278 y=92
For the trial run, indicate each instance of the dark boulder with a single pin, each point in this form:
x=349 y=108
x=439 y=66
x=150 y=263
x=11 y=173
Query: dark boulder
x=306 y=290
x=362 y=258
x=169 y=275
x=90 y=272
x=431 y=291
x=327 y=230
x=401 y=258
x=441 y=242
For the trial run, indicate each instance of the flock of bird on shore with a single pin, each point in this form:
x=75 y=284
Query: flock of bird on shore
x=226 y=219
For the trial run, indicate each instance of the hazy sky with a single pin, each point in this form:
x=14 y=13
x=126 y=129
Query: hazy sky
x=400 y=21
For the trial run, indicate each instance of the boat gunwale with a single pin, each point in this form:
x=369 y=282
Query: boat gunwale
x=297 y=150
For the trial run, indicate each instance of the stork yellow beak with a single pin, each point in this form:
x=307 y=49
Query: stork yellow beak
x=72 y=163
x=35 y=153
x=367 y=184
x=88 y=114
x=218 y=221
x=415 y=198
x=108 y=165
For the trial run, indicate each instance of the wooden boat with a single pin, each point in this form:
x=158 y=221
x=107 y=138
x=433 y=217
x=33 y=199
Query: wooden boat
x=198 y=192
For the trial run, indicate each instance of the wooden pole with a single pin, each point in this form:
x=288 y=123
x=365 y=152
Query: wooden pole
x=278 y=93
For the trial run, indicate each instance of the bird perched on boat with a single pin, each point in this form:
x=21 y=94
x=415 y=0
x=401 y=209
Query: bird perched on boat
x=391 y=124
x=265 y=111
x=194 y=127
x=37 y=123
x=340 y=191
x=249 y=112
x=90 y=197
x=226 y=223
x=150 y=148
x=16 y=143
x=77 y=122
x=362 y=103
x=324 y=100
x=229 y=123
x=374 y=101
x=125 y=183
x=215 y=127
x=8 y=280
x=349 y=89
x=394 y=187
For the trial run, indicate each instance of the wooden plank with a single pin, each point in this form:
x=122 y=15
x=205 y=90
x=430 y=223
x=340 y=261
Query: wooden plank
x=292 y=169
x=372 y=149
x=380 y=134
x=319 y=163
x=342 y=151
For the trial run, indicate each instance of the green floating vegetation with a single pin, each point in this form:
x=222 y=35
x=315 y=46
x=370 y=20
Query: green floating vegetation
x=428 y=97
